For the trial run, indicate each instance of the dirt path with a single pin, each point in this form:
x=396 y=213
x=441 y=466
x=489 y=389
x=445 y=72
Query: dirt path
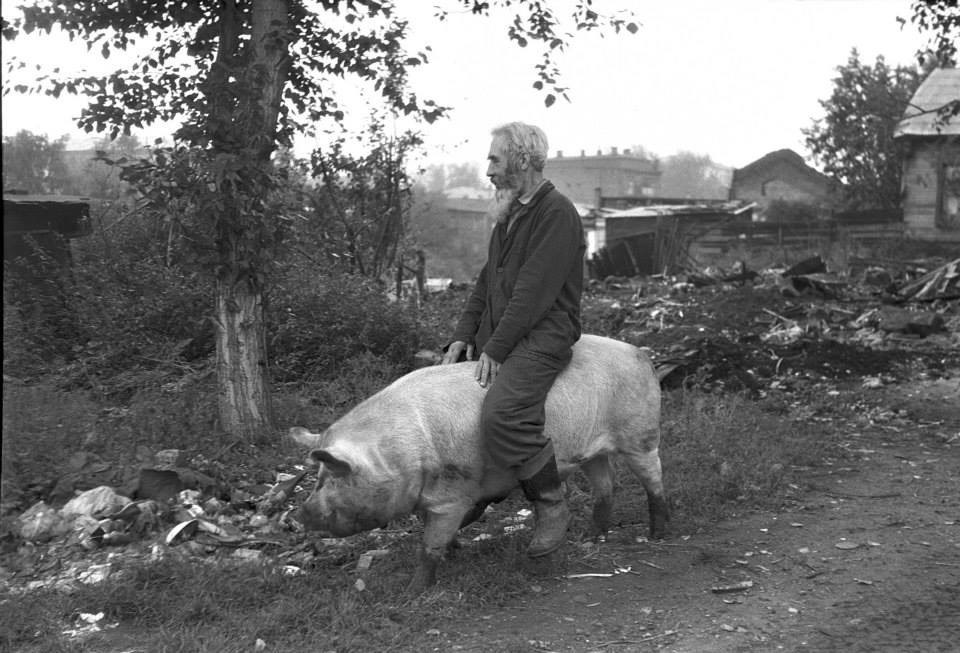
x=867 y=559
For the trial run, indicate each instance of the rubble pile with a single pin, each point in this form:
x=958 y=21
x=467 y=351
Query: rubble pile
x=742 y=329
x=169 y=509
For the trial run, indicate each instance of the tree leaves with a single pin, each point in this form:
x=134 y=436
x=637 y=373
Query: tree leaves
x=854 y=139
x=940 y=22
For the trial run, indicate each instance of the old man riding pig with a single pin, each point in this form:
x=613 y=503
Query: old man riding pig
x=416 y=447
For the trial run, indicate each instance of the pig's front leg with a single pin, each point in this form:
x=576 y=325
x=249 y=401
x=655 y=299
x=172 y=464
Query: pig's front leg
x=440 y=526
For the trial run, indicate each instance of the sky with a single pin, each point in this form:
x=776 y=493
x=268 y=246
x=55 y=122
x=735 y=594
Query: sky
x=734 y=80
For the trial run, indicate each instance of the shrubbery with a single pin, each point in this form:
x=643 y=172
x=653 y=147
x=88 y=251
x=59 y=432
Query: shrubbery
x=137 y=322
x=316 y=324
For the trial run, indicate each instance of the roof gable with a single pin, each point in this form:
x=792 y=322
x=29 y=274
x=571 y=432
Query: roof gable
x=920 y=118
x=779 y=157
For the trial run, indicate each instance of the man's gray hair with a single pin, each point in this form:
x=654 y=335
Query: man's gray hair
x=520 y=137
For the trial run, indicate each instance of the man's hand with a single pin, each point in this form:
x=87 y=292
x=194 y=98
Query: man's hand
x=486 y=370
x=452 y=355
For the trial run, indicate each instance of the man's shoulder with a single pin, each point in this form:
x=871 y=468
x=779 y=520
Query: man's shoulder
x=553 y=198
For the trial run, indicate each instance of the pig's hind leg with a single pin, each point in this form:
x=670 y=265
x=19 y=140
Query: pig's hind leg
x=643 y=458
x=599 y=472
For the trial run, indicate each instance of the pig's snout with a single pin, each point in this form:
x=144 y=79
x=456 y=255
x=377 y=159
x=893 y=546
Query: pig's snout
x=312 y=518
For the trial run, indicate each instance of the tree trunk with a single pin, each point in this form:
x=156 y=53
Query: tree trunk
x=244 y=397
x=250 y=131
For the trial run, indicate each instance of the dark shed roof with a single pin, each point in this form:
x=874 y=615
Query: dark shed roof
x=66 y=215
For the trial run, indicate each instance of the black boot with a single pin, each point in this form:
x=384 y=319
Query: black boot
x=544 y=490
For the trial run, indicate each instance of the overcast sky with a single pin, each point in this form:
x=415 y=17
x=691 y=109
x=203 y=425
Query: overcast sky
x=733 y=79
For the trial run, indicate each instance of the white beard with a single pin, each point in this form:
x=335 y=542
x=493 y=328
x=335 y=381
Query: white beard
x=502 y=201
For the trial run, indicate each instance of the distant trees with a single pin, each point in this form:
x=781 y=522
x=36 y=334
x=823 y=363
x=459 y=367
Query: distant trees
x=690 y=175
x=440 y=177
x=853 y=141
x=35 y=164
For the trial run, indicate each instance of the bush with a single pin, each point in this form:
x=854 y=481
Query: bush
x=120 y=316
x=317 y=324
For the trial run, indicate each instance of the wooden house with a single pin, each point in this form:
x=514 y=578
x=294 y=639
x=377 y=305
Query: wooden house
x=782 y=175
x=931 y=166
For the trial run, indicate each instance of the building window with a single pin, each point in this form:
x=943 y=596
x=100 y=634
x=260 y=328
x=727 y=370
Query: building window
x=948 y=209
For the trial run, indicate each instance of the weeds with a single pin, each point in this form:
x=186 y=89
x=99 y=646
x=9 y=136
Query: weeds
x=724 y=453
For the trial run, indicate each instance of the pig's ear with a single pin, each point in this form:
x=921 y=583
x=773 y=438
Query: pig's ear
x=337 y=466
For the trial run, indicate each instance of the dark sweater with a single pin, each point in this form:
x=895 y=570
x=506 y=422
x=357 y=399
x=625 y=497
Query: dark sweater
x=528 y=293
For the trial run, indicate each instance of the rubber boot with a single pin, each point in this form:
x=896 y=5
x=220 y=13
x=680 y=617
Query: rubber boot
x=552 y=516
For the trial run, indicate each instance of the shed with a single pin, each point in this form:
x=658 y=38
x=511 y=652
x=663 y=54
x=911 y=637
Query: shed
x=646 y=240
x=39 y=226
x=931 y=165
x=36 y=251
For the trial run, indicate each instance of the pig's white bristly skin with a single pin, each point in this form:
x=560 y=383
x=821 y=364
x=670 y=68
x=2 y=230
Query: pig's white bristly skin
x=415 y=446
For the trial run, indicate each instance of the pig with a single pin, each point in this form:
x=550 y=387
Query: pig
x=416 y=447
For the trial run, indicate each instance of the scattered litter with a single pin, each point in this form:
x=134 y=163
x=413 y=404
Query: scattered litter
x=847 y=545
x=250 y=555
x=597 y=575
x=181 y=532
x=101 y=500
x=732 y=629
x=88 y=624
x=736 y=587
x=95 y=574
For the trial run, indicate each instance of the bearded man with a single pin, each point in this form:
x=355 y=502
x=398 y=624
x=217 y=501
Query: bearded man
x=523 y=318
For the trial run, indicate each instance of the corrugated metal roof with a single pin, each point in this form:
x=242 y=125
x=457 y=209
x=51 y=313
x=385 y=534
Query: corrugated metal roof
x=940 y=87
x=734 y=208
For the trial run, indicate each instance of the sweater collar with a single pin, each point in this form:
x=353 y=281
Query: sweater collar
x=543 y=187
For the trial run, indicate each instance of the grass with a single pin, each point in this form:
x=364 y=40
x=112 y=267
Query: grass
x=185 y=604
x=722 y=454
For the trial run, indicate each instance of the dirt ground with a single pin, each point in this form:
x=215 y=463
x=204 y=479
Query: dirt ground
x=867 y=558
